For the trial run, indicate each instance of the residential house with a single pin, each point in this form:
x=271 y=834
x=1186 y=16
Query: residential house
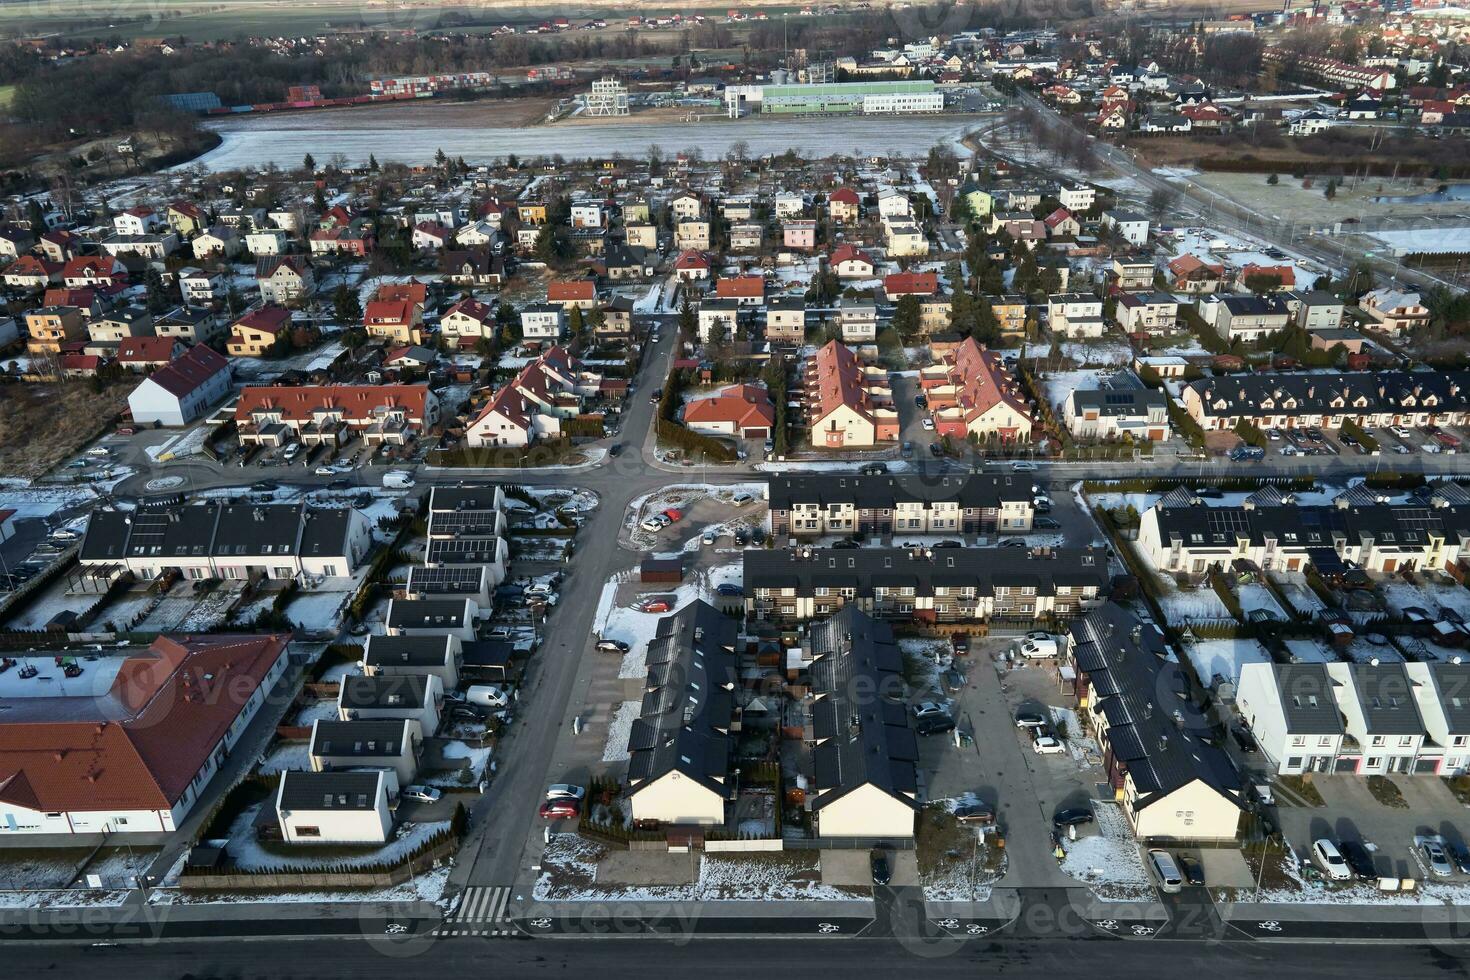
x=864 y=779
x=1147 y=312
x=543 y=323
x=255 y=333
x=467 y=322
x=133 y=757
x=848 y=405
x=744 y=290
x=1190 y=274
x=395 y=745
x=147 y=353
x=395 y=320
x=94 y=272
x=216 y=242
x=432 y=617
x=1131 y=227
x=1171 y=782
x=1316 y=309
x=392 y=697
x=265 y=242
x=183 y=390
x=691 y=266
x=719 y=314
x=392 y=414
x=130 y=320
x=743 y=410
x=851 y=263
x=1075 y=315
x=1244 y=318
x=746 y=237
x=682 y=742
x=1132 y=274
x=843 y=206
x=692 y=234
x=192 y=326
x=970 y=392
x=1395 y=311
x=858 y=320
x=349 y=807
x=436 y=655
x=200 y=288
x=924 y=585
x=51 y=327
x=569 y=293
x=786 y=320
x=882 y=505
x=800 y=234
x=1113 y=412
x=284 y=280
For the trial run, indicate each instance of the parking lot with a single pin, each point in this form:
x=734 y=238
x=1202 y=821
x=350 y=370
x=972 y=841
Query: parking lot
x=1000 y=767
x=1420 y=806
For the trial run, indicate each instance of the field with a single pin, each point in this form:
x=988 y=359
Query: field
x=7 y=95
x=234 y=18
x=42 y=424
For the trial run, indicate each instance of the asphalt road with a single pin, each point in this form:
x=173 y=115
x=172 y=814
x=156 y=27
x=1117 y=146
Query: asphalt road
x=676 y=959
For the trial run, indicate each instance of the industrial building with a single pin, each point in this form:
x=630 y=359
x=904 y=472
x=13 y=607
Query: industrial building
x=866 y=98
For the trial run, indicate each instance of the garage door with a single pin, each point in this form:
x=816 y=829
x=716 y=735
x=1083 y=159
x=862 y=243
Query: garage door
x=1429 y=766
x=757 y=433
x=1390 y=565
x=1346 y=765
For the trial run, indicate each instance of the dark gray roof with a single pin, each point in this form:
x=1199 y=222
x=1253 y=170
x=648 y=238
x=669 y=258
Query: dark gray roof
x=859 y=720
x=1452 y=688
x=1308 y=700
x=329 y=790
x=366 y=739
x=1314 y=394
x=450 y=580
x=428 y=613
x=1110 y=402
x=1154 y=732
x=972 y=491
x=864 y=569
x=215 y=529
x=689 y=700
x=450 y=499
x=1253 y=305
x=407 y=651
x=406 y=691
x=1390 y=526
x=1386 y=697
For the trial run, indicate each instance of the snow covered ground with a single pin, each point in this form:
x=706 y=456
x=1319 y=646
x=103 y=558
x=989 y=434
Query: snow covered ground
x=570 y=873
x=1109 y=861
x=615 y=749
x=1224 y=657
x=1180 y=605
x=1255 y=595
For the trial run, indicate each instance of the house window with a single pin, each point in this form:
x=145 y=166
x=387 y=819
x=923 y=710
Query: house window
x=1379 y=740
x=1325 y=740
x=1298 y=741
x=1374 y=762
x=1406 y=740
x=1294 y=762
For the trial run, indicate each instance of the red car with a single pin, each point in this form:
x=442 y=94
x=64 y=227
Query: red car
x=674 y=514
x=560 y=810
x=658 y=606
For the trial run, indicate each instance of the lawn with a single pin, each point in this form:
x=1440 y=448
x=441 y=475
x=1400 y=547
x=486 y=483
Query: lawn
x=7 y=96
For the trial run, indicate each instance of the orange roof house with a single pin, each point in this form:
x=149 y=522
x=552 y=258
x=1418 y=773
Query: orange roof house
x=741 y=410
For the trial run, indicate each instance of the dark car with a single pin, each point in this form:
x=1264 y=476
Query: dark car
x=935 y=449
x=1209 y=493
x=881 y=866
x=845 y=543
x=954 y=681
x=742 y=537
x=1243 y=739
x=729 y=589
x=1358 y=858
x=616 y=449
x=919 y=401
x=340 y=485
x=1046 y=524
x=949 y=544
x=1076 y=816
x=758 y=536
x=934 y=725
x=873 y=469
x=974 y=813
x=264 y=486
x=1194 y=874
x=1461 y=856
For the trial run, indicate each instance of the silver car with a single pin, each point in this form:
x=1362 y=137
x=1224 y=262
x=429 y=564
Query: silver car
x=1435 y=859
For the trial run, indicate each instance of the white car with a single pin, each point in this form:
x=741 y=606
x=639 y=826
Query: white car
x=1401 y=432
x=1042 y=649
x=929 y=425
x=708 y=538
x=741 y=499
x=1330 y=860
x=1047 y=745
x=652 y=526
x=324 y=471
x=565 y=791
x=423 y=794
x=1022 y=466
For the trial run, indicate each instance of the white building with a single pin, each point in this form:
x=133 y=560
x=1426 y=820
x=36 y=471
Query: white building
x=181 y=391
x=336 y=807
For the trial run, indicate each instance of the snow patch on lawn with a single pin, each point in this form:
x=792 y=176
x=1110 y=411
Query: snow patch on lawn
x=1109 y=861
x=615 y=749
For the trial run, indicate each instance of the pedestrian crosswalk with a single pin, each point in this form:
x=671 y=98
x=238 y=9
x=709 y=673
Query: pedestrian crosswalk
x=481 y=911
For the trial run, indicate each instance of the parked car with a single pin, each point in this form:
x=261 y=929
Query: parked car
x=1030 y=719
x=928 y=424
x=565 y=791
x=873 y=469
x=1038 y=646
x=729 y=589
x=926 y=709
x=1435 y=859
x=935 y=450
x=1460 y=854
x=422 y=794
x=1243 y=738
x=934 y=725
x=954 y=681
x=907 y=450
x=616 y=449
x=612 y=646
x=1358 y=859
x=1165 y=871
x=1013 y=543
x=1075 y=816
x=974 y=813
x=1047 y=745
x=1023 y=466
x=560 y=810
x=708 y=538
x=656 y=606
x=881 y=867
x=1194 y=872
x=1046 y=524
x=741 y=498
x=1330 y=860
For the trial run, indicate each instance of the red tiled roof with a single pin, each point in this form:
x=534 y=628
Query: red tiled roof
x=741 y=287
x=266 y=319
x=413 y=292
x=179 y=702
x=839 y=381
x=748 y=406
x=905 y=283
x=356 y=402
x=388 y=311
x=844 y=195
x=982 y=381
x=690 y=259
x=33 y=265
x=570 y=290
x=844 y=253
x=472 y=308
x=192 y=369
x=145 y=350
